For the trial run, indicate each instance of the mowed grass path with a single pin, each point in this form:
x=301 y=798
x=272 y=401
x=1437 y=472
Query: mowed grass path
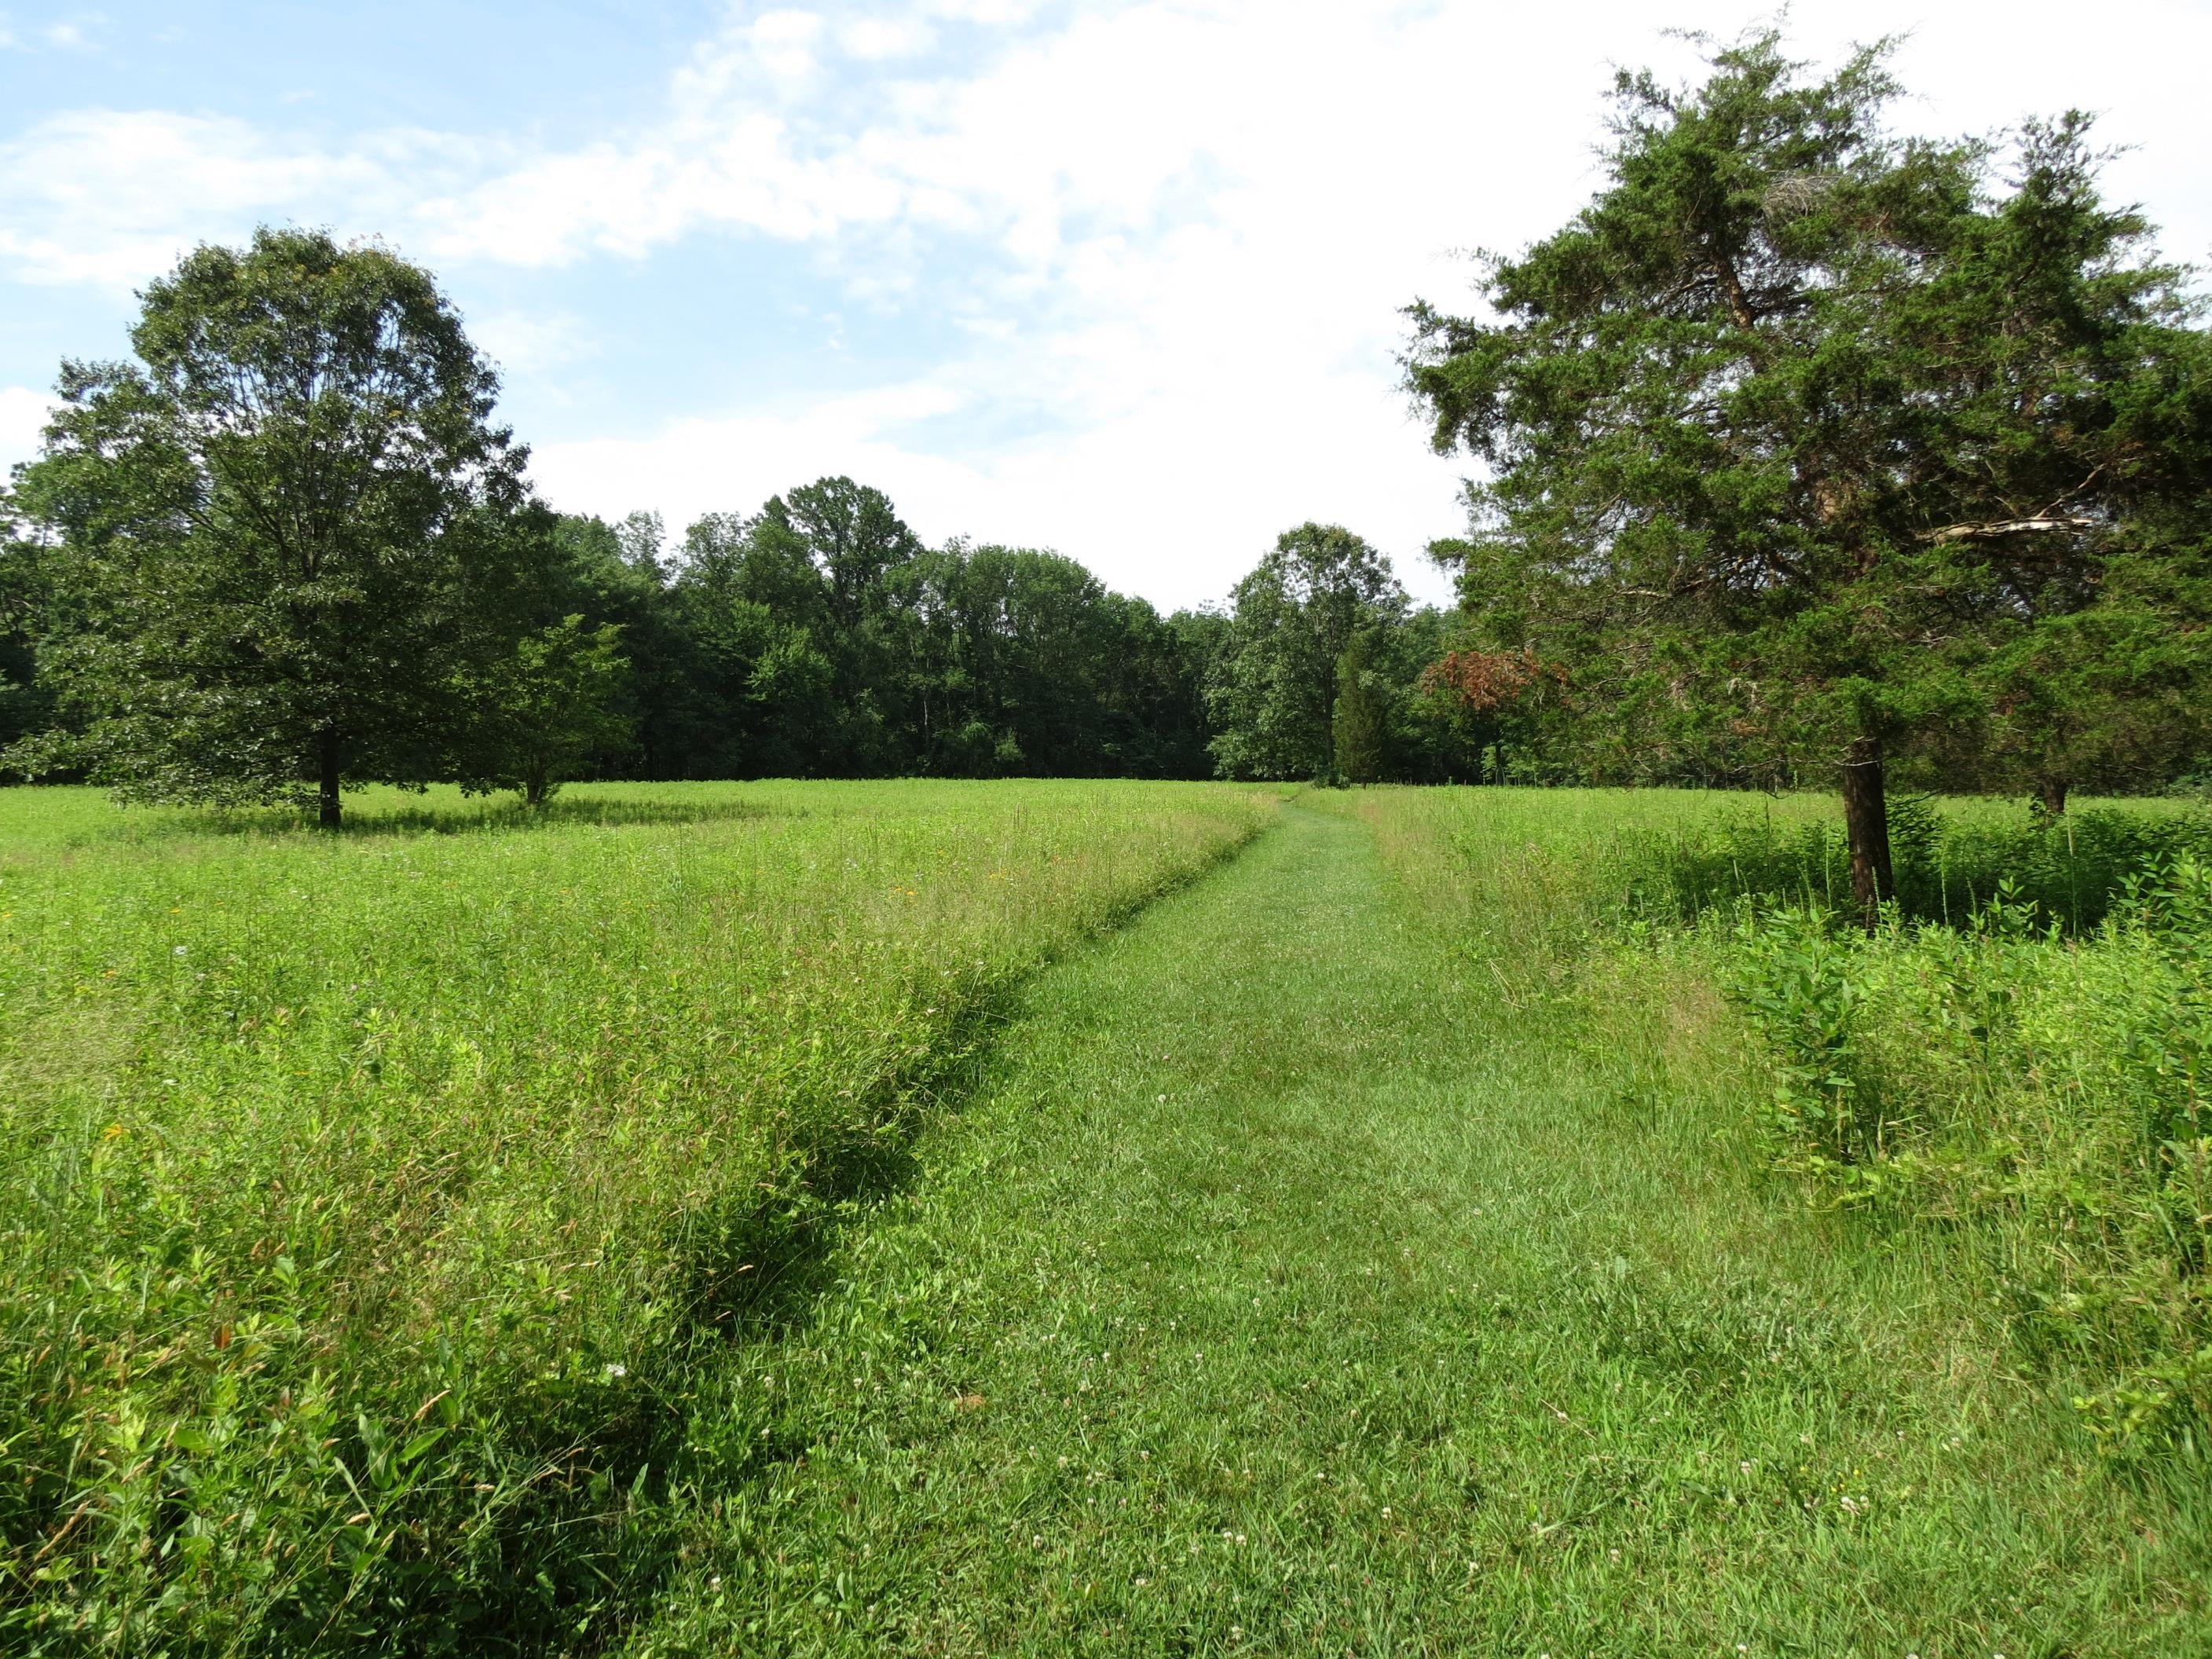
x=1284 y=1290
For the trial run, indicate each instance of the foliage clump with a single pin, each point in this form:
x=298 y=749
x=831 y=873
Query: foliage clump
x=2058 y=1095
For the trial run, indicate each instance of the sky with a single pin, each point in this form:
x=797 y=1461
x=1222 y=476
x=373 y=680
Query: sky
x=1120 y=280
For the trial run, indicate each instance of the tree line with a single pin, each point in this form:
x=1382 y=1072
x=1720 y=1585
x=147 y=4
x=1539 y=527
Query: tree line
x=1807 y=454
x=286 y=549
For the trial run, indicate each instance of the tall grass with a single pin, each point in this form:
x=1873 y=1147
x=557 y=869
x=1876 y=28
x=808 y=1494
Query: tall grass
x=2020 y=1049
x=1952 y=858
x=370 y=1204
x=2053 y=1086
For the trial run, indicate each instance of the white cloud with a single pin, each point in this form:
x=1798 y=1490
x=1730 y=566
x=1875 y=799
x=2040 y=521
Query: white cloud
x=876 y=37
x=1173 y=234
x=66 y=34
x=110 y=198
x=1001 y=12
x=531 y=343
x=24 y=412
x=782 y=44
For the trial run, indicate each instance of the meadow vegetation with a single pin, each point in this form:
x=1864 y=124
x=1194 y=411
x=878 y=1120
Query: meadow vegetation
x=680 y=1220
x=2017 y=1048
x=1380 y=1249
x=370 y=1201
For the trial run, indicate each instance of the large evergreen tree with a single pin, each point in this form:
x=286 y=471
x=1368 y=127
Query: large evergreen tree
x=286 y=529
x=1804 y=440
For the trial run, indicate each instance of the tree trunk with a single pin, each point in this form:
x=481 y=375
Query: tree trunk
x=2052 y=792
x=327 y=756
x=1866 y=826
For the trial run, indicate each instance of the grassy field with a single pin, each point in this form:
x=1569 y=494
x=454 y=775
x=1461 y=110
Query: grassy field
x=369 y=1202
x=1347 y=1259
x=2024 y=1046
x=740 y=1219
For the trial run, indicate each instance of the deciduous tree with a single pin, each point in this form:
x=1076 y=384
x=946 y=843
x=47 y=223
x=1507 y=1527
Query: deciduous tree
x=1273 y=691
x=545 y=712
x=282 y=526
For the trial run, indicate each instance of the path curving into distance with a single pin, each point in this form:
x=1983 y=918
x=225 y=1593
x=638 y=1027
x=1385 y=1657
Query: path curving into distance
x=1281 y=1291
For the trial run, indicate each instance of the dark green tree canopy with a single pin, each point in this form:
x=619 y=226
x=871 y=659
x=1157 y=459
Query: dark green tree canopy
x=1798 y=426
x=1272 y=689
x=825 y=639
x=288 y=525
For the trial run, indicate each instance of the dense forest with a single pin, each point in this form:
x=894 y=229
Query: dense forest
x=1804 y=452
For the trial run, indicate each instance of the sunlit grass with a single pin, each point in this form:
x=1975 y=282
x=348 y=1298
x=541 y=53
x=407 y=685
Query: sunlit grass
x=367 y=1198
x=1299 y=1284
x=732 y=1218
x=2021 y=1046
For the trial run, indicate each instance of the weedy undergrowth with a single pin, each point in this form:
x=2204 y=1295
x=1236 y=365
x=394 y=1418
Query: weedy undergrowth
x=2052 y=1087
x=2019 y=1050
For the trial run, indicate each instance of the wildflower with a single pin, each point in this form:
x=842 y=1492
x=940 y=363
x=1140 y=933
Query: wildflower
x=611 y=1372
x=178 y=951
